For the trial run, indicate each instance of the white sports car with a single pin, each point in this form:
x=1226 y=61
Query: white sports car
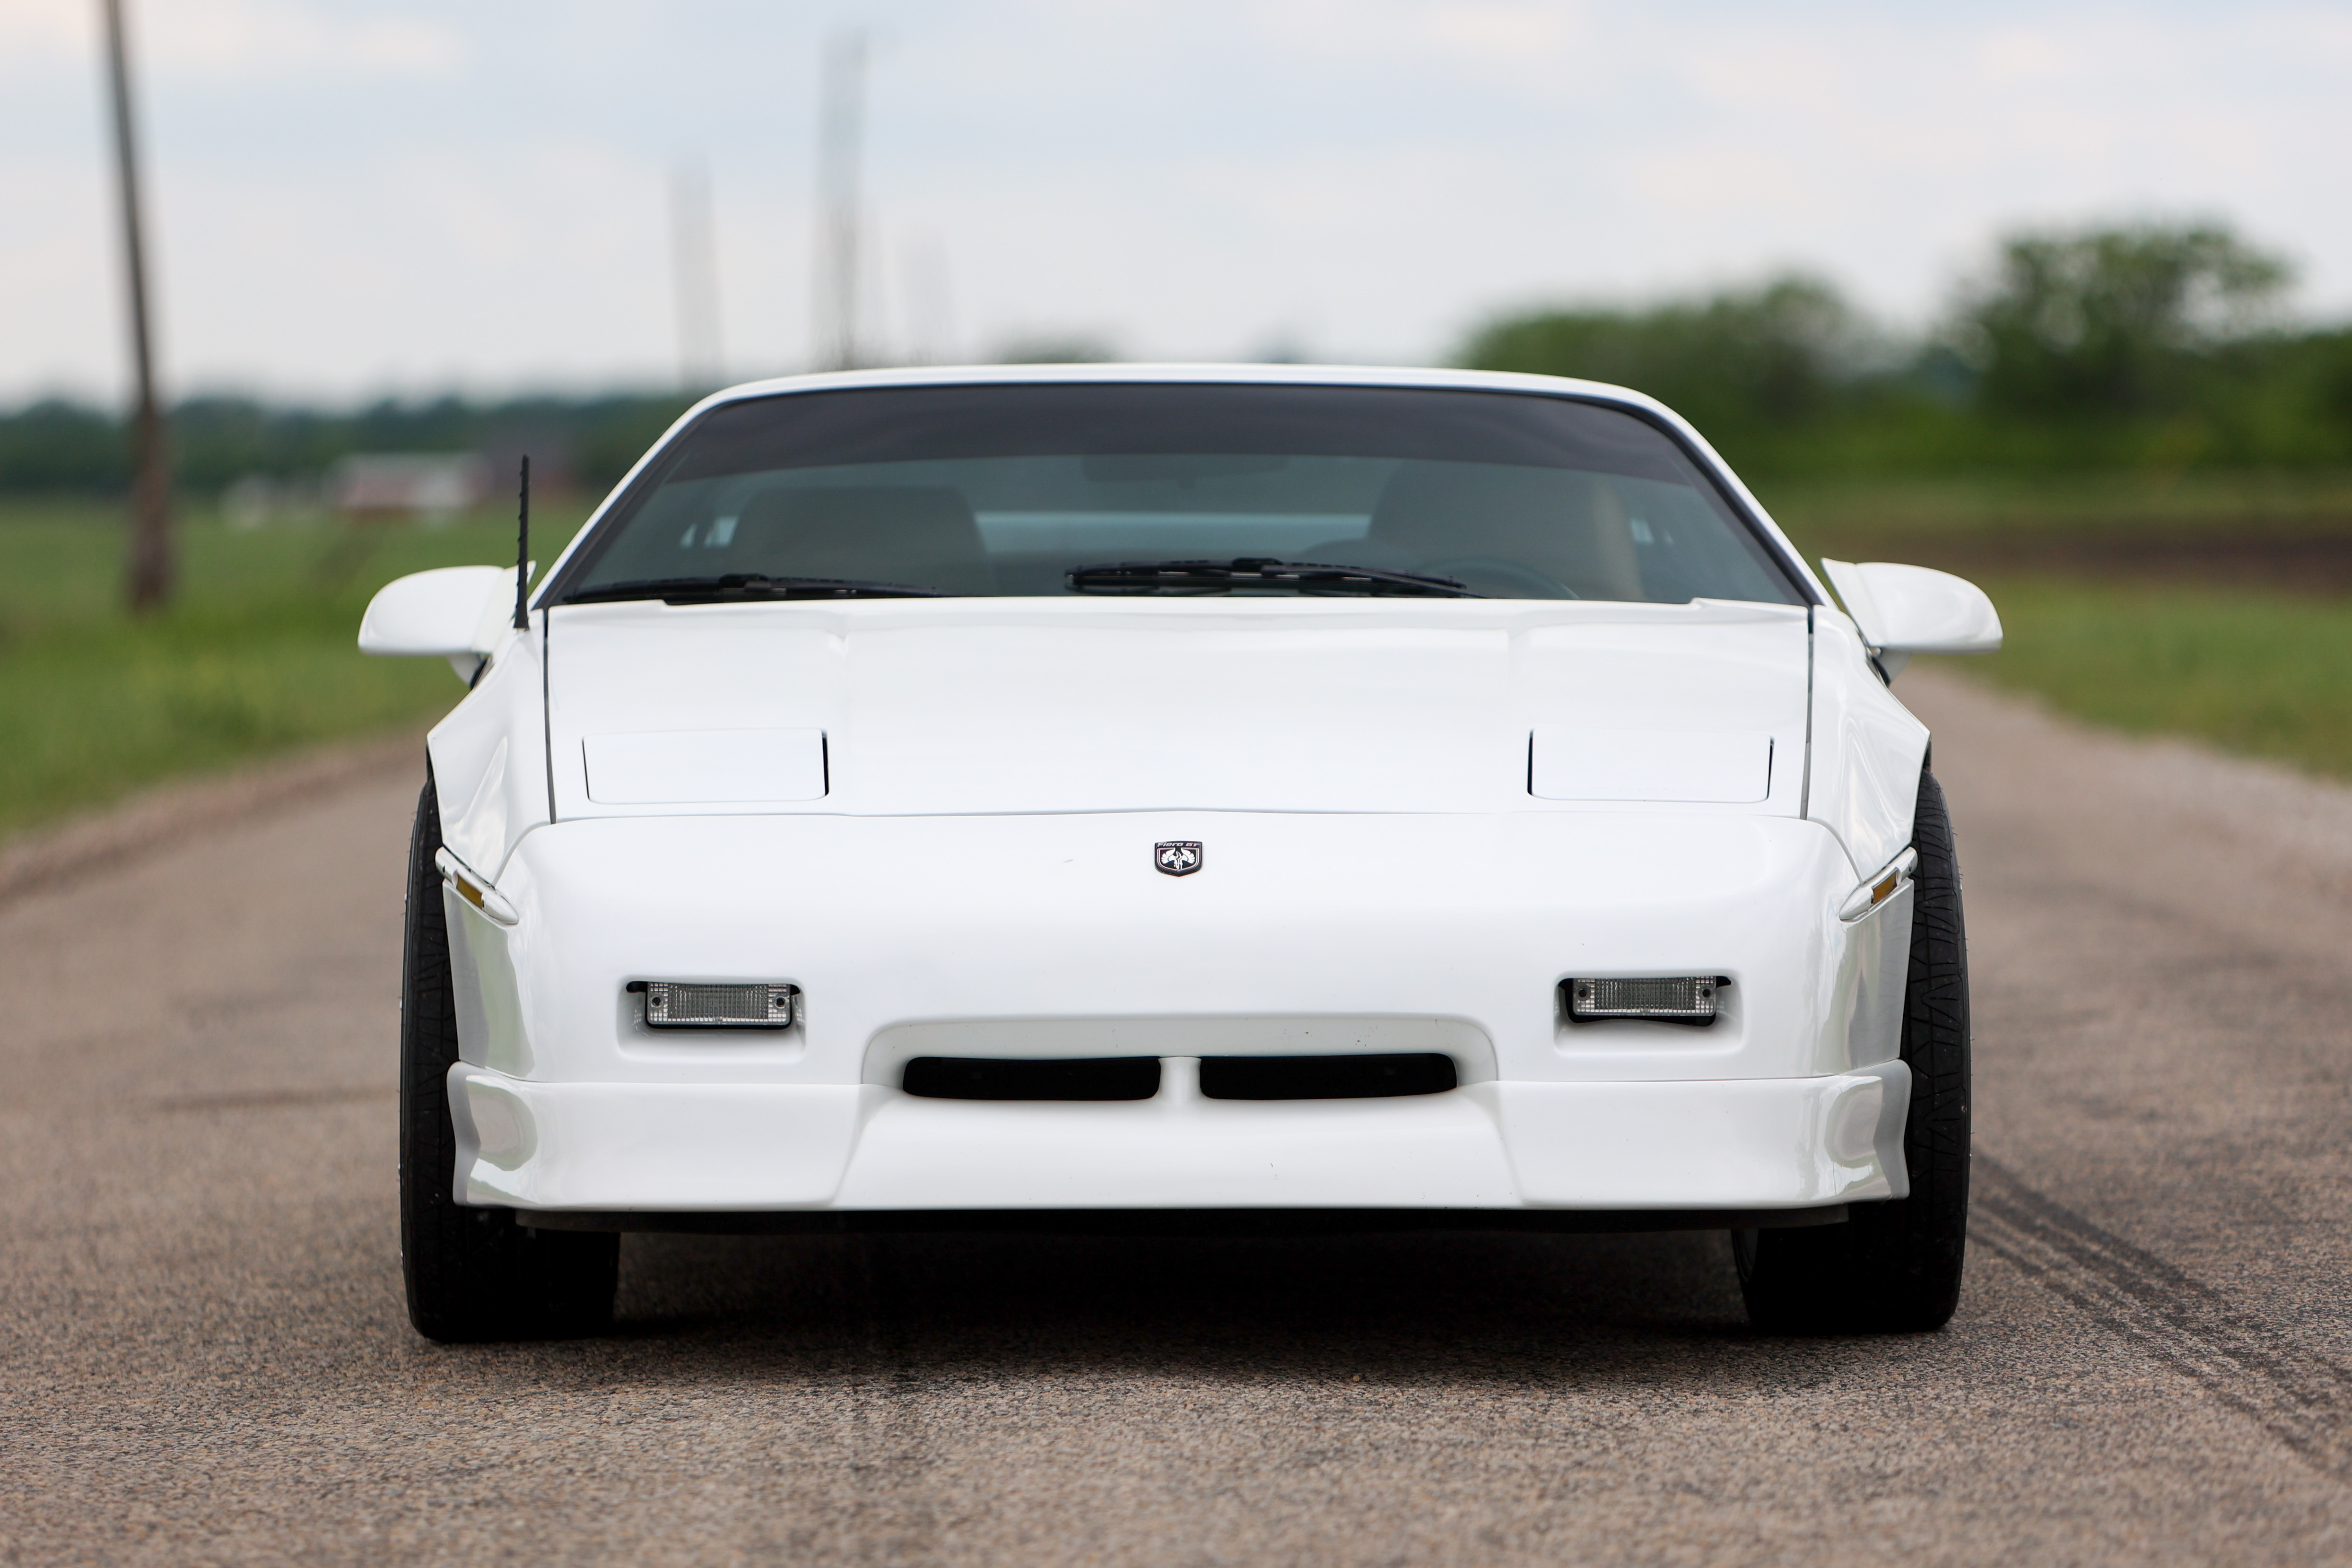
x=1182 y=797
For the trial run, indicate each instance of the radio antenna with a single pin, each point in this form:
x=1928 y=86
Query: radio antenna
x=523 y=549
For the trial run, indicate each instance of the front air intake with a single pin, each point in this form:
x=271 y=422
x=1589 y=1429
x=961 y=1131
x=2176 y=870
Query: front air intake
x=1055 y=1078
x=1366 y=1077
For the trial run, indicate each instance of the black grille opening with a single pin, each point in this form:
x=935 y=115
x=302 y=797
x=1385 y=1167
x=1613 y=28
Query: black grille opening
x=1005 y=1078
x=1326 y=1078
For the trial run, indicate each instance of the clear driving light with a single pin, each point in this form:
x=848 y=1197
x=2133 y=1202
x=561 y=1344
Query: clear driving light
x=1684 y=999
x=677 y=1004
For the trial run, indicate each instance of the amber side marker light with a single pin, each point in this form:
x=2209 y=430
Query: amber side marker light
x=471 y=886
x=1880 y=887
x=691 y=1005
x=1681 y=999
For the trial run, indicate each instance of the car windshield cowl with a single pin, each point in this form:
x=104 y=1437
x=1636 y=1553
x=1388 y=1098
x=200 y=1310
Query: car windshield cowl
x=745 y=585
x=1260 y=572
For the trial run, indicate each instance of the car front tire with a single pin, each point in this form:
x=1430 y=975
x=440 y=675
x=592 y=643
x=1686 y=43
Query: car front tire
x=472 y=1273
x=1895 y=1266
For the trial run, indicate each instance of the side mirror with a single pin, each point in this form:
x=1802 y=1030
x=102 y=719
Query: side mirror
x=458 y=613
x=1905 y=610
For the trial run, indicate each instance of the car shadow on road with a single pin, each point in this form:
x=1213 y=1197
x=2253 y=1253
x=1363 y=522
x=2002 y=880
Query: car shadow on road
x=1652 y=1308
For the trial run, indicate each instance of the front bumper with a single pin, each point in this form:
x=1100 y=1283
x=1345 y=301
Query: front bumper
x=1719 y=1144
x=1047 y=936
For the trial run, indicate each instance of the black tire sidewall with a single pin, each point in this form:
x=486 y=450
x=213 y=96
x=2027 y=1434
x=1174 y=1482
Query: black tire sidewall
x=1932 y=1232
x=428 y=1049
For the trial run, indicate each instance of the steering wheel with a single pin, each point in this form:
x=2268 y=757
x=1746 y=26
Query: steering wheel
x=1484 y=574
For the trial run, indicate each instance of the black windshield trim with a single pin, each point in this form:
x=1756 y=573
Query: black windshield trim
x=1138 y=578
x=742 y=587
x=624 y=502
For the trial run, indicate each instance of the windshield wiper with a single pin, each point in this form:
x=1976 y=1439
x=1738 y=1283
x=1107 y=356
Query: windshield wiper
x=1257 y=572
x=737 y=586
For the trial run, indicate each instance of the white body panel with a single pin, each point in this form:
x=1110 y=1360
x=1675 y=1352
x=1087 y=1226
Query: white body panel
x=703 y=768
x=448 y=611
x=488 y=768
x=1666 y=766
x=963 y=706
x=1911 y=610
x=937 y=818
x=1867 y=749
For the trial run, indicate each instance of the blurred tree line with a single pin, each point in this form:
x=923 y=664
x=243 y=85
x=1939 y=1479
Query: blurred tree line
x=2152 y=345
x=60 y=447
x=2147 y=346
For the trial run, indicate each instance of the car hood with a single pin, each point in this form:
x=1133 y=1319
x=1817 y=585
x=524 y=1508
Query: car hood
x=978 y=706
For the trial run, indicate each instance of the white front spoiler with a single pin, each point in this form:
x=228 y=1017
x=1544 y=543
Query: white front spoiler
x=1788 y=1142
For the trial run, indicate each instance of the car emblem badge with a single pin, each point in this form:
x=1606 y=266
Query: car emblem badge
x=1177 y=857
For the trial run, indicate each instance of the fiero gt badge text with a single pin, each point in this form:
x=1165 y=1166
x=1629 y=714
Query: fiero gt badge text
x=1177 y=857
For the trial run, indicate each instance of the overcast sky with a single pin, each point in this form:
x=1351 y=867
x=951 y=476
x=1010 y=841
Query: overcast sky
x=357 y=196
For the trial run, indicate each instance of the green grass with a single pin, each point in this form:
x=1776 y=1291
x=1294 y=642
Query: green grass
x=256 y=656
x=1858 y=516
x=2108 y=618
x=2267 y=674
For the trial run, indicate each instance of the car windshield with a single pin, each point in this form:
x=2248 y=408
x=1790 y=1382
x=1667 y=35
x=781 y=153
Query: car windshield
x=1035 y=489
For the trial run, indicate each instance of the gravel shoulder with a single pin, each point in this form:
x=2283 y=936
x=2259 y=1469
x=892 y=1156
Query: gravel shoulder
x=203 y=1356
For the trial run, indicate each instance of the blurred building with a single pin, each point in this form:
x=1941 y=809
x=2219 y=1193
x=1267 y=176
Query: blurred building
x=258 y=500
x=432 y=486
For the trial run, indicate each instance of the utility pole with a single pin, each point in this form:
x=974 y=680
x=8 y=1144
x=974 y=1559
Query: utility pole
x=152 y=566
x=694 y=260
x=840 y=127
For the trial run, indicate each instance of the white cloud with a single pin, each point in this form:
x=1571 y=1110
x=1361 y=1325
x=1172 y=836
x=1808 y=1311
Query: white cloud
x=2027 y=54
x=42 y=32
x=257 y=40
x=1510 y=38
x=245 y=41
x=353 y=195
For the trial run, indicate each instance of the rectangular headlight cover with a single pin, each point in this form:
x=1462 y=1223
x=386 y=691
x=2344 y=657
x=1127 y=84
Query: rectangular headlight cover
x=682 y=1005
x=1684 y=999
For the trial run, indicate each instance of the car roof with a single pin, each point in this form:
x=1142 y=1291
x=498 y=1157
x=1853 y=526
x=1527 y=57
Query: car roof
x=1178 y=374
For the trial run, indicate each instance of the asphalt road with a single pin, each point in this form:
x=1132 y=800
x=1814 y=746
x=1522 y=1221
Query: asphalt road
x=203 y=1355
